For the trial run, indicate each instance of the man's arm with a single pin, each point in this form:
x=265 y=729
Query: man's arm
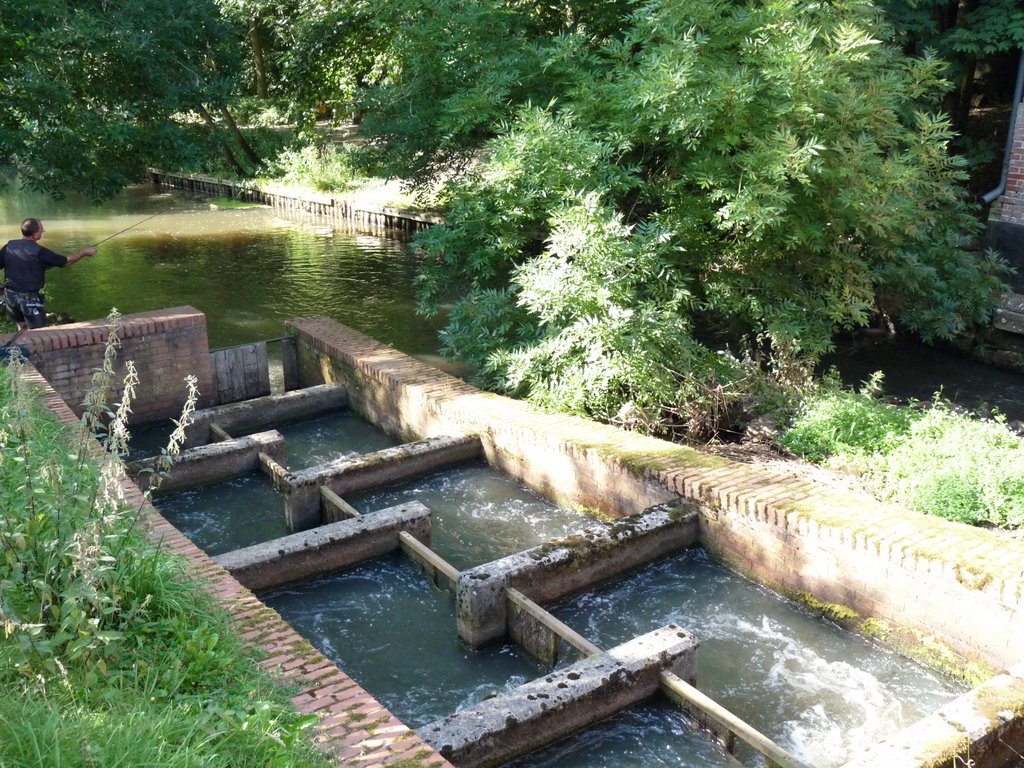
x=91 y=251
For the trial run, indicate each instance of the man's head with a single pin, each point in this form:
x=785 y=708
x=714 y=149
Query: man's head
x=32 y=229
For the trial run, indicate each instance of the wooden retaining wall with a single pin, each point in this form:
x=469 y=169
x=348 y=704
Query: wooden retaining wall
x=334 y=209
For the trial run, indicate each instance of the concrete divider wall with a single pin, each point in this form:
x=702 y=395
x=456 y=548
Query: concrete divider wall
x=263 y=412
x=353 y=474
x=326 y=548
x=353 y=727
x=561 y=703
x=918 y=577
x=166 y=345
x=567 y=566
x=212 y=463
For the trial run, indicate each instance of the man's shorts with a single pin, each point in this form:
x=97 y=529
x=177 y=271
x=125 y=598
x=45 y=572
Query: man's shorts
x=25 y=308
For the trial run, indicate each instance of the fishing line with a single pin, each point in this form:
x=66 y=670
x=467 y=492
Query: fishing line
x=125 y=229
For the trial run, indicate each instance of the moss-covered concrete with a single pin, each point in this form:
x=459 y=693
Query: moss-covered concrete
x=934 y=589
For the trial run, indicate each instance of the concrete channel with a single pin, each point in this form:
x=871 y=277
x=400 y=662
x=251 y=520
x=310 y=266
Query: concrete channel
x=913 y=583
x=492 y=600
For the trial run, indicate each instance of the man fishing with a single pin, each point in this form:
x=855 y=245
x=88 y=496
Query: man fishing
x=24 y=263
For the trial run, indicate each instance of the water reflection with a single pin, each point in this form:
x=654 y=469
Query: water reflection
x=248 y=270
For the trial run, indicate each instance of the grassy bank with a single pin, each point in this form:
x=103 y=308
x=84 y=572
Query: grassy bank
x=110 y=654
x=931 y=458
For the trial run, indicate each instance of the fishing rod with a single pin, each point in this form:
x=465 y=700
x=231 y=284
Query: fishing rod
x=111 y=237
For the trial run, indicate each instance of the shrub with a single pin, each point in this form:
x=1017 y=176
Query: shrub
x=322 y=166
x=956 y=466
x=836 y=422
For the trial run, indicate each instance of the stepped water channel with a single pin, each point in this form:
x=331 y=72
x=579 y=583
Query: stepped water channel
x=822 y=693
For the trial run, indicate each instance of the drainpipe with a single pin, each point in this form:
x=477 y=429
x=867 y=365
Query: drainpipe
x=1018 y=94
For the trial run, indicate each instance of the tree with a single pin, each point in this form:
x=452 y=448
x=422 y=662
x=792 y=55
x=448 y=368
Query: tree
x=459 y=68
x=969 y=34
x=767 y=168
x=92 y=93
x=336 y=51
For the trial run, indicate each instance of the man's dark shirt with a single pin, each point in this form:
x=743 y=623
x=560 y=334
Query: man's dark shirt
x=24 y=263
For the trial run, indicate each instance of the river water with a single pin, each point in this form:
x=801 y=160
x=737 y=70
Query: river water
x=247 y=269
x=819 y=691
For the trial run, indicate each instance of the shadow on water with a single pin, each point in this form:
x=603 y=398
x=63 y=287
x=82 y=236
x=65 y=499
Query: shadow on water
x=916 y=371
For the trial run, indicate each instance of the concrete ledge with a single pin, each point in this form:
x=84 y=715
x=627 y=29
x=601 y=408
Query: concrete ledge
x=390 y=466
x=983 y=727
x=325 y=549
x=568 y=565
x=545 y=710
x=262 y=412
x=212 y=463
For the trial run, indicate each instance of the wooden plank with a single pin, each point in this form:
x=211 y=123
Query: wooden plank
x=339 y=508
x=689 y=697
x=290 y=363
x=273 y=469
x=427 y=558
x=218 y=434
x=567 y=633
x=241 y=373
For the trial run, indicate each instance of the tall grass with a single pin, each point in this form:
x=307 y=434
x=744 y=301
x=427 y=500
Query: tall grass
x=110 y=655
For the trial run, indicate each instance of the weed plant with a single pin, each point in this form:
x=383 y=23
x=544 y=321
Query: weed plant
x=321 y=166
x=932 y=458
x=110 y=655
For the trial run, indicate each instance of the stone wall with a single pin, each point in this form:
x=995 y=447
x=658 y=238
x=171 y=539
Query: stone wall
x=165 y=345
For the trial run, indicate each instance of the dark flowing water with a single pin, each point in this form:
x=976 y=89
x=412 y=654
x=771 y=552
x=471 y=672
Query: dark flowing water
x=914 y=371
x=819 y=691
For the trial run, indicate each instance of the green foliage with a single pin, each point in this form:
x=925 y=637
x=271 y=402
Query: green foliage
x=933 y=460
x=321 y=166
x=954 y=466
x=767 y=168
x=110 y=654
x=92 y=96
x=840 y=422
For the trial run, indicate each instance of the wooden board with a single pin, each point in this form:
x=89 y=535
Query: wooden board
x=241 y=373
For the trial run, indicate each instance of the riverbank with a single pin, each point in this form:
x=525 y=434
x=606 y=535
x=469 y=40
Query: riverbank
x=114 y=653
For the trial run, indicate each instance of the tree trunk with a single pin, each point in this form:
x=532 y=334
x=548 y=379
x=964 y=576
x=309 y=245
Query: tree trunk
x=240 y=137
x=258 y=62
x=229 y=156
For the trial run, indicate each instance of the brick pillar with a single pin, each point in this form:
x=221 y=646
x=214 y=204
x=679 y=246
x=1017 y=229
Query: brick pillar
x=1013 y=198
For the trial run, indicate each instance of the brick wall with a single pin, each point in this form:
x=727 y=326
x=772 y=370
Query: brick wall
x=353 y=727
x=1012 y=209
x=165 y=346
x=933 y=582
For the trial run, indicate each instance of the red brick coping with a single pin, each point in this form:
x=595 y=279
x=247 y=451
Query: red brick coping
x=354 y=727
